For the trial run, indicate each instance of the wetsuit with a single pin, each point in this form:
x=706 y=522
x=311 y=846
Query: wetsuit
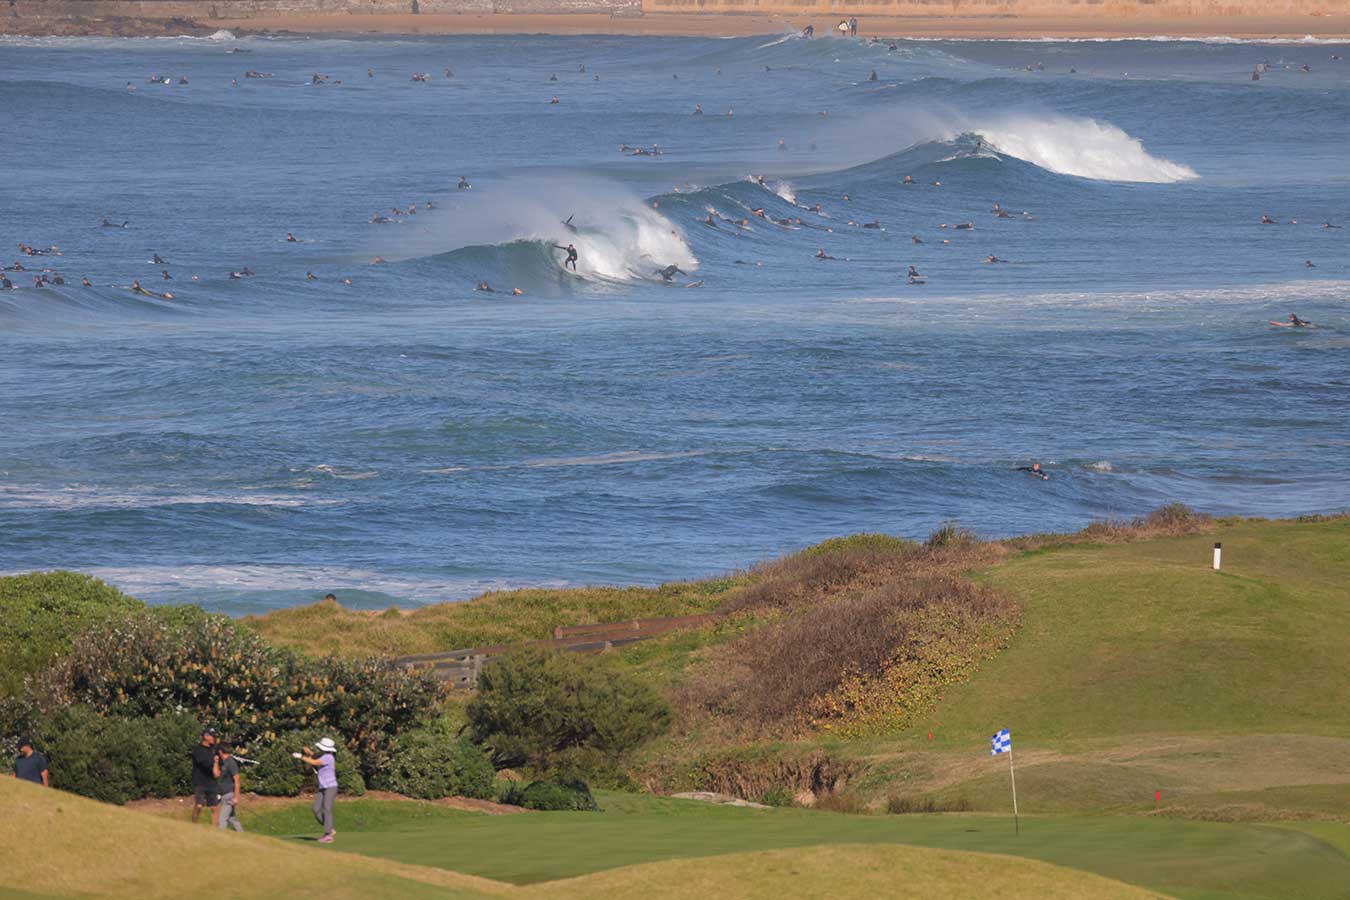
x=1034 y=472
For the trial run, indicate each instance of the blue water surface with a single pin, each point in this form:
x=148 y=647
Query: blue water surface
x=261 y=440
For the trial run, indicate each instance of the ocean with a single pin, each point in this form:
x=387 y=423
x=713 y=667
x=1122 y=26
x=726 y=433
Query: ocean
x=258 y=441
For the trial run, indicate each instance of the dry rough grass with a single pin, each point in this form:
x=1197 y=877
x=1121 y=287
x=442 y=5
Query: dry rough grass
x=845 y=613
x=1170 y=520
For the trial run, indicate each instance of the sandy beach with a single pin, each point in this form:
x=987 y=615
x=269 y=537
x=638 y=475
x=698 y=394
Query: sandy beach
x=975 y=26
x=731 y=25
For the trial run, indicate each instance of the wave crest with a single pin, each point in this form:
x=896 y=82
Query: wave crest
x=1085 y=148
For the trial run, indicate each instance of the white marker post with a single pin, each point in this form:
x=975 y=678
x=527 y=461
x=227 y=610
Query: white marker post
x=1218 y=554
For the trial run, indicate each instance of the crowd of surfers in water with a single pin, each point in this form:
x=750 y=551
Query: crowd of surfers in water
x=569 y=255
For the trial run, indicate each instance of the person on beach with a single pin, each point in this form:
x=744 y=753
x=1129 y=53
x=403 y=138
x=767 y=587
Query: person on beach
x=30 y=765
x=228 y=788
x=852 y=26
x=326 y=768
x=205 y=776
x=1034 y=470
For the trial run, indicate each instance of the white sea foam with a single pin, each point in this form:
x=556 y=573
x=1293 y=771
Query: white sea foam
x=165 y=582
x=1082 y=147
x=622 y=457
x=82 y=497
x=618 y=235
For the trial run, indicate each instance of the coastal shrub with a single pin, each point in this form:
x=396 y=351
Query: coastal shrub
x=1169 y=520
x=864 y=661
x=276 y=773
x=118 y=759
x=235 y=681
x=42 y=613
x=761 y=773
x=430 y=763
x=557 y=794
x=823 y=569
x=949 y=535
x=549 y=710
x=350 y=782
x=899 y=805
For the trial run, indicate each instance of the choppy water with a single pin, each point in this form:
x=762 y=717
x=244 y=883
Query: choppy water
x=259 y=441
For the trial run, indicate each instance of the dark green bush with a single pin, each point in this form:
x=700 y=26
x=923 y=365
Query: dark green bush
x=553 y=794
x=432 y=762
x=277 y=773
x=550 y=710
x=116 y=760
x=40 y=613
x=235 y=681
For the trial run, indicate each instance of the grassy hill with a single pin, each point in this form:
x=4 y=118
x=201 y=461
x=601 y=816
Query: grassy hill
x=1138 y=668
x=59 y=845
x=1130 y=667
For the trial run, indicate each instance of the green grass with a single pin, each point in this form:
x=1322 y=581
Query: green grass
x=1138 y=668
x=1186 y=859
x=357 y=816
x=58 y=845
x=494 y=618
x=1145 y=638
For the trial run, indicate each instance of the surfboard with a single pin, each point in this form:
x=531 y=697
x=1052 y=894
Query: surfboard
x=692 y=284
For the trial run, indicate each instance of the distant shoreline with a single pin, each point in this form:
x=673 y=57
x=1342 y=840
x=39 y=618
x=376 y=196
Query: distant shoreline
x=935 y=27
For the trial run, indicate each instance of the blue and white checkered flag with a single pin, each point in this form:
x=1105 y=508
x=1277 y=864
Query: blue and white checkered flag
x=1001 y=743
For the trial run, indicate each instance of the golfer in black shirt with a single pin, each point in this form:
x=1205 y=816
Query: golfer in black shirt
x=205 y=776
x=30 y=765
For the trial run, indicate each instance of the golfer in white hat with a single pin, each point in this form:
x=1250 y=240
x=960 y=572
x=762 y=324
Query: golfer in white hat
x=326 y=768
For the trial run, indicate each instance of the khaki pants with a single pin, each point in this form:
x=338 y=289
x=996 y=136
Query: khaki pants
x=228 y=818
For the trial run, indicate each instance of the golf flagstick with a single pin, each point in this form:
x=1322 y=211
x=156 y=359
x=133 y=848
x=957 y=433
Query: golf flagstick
x=1017 y=828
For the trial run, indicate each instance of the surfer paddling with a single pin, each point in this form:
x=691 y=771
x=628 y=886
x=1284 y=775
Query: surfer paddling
x=1035 y=471
x=1294 y=322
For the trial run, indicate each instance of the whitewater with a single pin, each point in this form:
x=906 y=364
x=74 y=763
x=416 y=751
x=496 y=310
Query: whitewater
x=821 y=286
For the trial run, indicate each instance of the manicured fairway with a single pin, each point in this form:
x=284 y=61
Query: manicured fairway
x=1183 y=858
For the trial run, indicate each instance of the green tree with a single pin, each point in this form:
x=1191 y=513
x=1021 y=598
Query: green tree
x=551 y=710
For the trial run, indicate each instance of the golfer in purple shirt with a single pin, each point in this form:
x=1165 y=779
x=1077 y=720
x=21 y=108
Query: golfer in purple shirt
x=326 y=767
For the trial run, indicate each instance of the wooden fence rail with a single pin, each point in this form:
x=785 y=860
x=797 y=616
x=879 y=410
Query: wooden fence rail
x=460 y=669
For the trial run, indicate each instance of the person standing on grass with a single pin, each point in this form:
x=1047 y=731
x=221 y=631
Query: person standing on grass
x=228 y=788
x=30 y=765
x=326 y=768
x=205 y=776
